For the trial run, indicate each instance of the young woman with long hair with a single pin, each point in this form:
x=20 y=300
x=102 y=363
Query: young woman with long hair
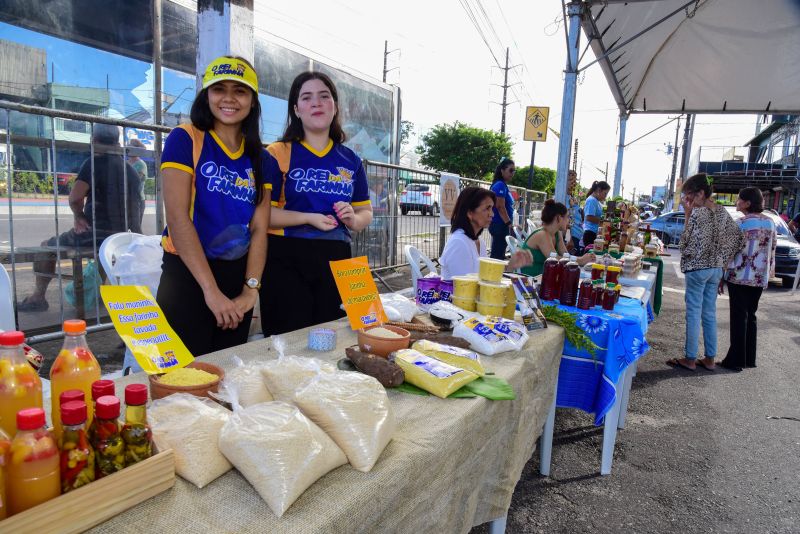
x=593 y=211
x=503 y=212
x=319 y=196
x=550 y=238
x=217 y=211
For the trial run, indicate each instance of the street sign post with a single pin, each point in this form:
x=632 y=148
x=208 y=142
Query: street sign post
x=535 y=131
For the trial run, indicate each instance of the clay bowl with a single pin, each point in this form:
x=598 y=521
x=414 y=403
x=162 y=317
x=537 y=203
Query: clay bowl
x=381 y=346
x=159 y=390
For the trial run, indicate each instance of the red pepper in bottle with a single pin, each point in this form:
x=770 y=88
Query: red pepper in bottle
x=136 y=432
x=100 y=388
x=77 y=456
x=108 y=445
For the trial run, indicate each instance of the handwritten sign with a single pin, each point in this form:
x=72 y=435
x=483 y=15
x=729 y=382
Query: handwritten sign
x=140 y=323
x=358 y=291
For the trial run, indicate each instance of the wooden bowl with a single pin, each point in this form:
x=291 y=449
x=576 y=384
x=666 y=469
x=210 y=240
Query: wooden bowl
x=159 y=390
x=381 y=346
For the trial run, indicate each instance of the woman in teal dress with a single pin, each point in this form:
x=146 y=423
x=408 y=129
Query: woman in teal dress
x=549 y=238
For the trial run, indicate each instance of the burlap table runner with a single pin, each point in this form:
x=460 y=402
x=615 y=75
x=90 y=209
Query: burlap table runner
x=453 y=463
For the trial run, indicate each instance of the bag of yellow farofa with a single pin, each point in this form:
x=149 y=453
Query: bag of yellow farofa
x=430 y=374
x=465 y=359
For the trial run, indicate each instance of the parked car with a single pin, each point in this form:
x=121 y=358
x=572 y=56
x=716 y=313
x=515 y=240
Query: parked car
x=423 y=198
x=787 y=250
x=669 y=226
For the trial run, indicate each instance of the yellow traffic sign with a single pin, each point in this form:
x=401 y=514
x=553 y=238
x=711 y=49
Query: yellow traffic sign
x=536 y=123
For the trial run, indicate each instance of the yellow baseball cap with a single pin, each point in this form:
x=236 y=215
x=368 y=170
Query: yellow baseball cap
x=228 y=68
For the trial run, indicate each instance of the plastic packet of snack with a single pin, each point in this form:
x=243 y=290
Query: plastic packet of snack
x=430 y=374
x=458 y=357
x=482 y=337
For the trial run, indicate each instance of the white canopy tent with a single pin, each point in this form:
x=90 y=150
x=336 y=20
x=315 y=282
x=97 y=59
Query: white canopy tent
x=679 y=56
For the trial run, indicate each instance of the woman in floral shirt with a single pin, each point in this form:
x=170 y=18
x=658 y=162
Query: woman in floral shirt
x=747 y=275
x=709 y=241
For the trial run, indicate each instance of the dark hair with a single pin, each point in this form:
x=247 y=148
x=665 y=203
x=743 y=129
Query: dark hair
x=504 y=164
x=294 y=126
x=203 y=119
x=468 y=200
x=551 y=210
x=754 y=196
x=696 y=183
x=598 y=186
x=106 y=134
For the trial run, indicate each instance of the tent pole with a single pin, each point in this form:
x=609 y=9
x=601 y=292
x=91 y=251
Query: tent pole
x=575 y=13
x=623 y=123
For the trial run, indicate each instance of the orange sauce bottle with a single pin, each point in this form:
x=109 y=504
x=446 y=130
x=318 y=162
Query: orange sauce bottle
x=20 y=386
x=33 y=473
x=75 y=368
x=5 y=446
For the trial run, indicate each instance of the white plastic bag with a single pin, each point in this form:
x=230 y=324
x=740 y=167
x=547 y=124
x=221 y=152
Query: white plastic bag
x=354 y=410
x=279 y=451
x=140 y=263
x=190 y=426
x=398 y=308
x=287 y=374
x=482 y=337
x=249 y=382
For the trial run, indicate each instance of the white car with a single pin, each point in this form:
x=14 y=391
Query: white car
x=423 y=198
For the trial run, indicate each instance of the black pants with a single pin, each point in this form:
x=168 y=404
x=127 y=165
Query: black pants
x=744 y=328
x=298 y=288
x=578 y=249
x=498 y=231
x=588 y=238
x=185 y=309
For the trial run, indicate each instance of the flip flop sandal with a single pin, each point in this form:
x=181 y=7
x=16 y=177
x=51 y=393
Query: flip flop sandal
x=675 y=362
x=707 y=368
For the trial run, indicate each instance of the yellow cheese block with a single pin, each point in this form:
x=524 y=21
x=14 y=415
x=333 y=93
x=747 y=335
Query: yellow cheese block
x=430 y=374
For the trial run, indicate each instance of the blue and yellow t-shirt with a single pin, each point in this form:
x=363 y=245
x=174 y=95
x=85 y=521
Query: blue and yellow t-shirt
x=314 y=182
x=501 y=190
x=223 y=192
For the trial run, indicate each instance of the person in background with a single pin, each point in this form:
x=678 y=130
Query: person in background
x=748 y=275
x=709 y=241
x=217 y=208
x=116 y=208
x=593 y=211
x=575 y=244
x=549 y=238
x=472 y=214
x=794 y=226
x=320 y=195
x=503 y=212
x=134 y=158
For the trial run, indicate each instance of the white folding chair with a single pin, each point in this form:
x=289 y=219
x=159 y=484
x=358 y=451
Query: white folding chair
x=109 y=250
x=414 y=258
x=6 y=302
x=513 y=243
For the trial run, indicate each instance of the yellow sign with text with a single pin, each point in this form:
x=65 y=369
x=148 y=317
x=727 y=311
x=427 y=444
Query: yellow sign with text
x=359 y=292
x=140 y=323
x=536 y=123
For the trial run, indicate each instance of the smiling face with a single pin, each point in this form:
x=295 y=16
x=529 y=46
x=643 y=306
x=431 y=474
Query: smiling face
x=230 y=102
x=315 y=106
x=481 y=217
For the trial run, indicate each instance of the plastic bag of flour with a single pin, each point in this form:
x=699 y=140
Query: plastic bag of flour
x=190 y=426
x=482 y=337
x=354 y=410
x=287 y=374
x=249 y=382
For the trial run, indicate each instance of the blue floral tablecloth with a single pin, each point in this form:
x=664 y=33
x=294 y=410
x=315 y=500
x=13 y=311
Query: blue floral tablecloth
x=591 y=384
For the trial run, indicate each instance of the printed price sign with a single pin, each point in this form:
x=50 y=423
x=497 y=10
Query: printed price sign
x=140 y=323
x=358 y=291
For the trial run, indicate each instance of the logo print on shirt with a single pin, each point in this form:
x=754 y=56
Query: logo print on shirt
x=227 y=182
x=323 y=181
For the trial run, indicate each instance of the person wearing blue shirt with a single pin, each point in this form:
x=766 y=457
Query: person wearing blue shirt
x=593 y=211
x=217 y=208
x=575 y=214
x=319 y=196
x=503 y=218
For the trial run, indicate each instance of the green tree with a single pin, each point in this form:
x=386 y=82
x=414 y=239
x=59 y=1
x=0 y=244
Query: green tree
x=544 y=179
x=463 y=149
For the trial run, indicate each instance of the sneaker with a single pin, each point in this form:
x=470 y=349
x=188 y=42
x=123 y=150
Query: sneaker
x=31 y=305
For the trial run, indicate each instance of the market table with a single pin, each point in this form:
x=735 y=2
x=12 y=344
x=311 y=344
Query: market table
x=453 y=463
x=600 y=384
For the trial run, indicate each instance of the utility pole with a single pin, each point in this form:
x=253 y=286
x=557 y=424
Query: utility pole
x=688 y=134
x=505 y=92
x=386 y=53
x=671 y=189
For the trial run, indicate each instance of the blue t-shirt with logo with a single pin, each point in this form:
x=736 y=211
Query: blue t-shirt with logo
x=315 y=182
x=501 y=190
x=576 y=217
x=592 y=207
x=223 y=192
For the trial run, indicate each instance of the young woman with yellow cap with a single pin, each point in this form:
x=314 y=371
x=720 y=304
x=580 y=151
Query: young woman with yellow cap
x=217 y=209
x=319 y=196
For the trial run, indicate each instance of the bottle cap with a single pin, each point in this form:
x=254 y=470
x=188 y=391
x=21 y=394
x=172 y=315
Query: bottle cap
x=101 y=388
x=30 y=419
x=71 y=395
x=572 y=258
x=107 y=407
x=554 y=254
x=12 y=338
x=74 y=326
x=73 y=413
x=598 y=266
x=135 y=394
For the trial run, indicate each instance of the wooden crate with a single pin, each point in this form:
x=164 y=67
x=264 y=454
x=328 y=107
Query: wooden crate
x=97 y=501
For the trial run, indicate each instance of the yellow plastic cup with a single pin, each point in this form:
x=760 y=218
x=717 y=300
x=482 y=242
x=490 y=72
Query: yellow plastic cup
x=465 y=287
x=491 y=270
x=492 y=293
x=464 y=303
x=511 y=301
x=490 y=309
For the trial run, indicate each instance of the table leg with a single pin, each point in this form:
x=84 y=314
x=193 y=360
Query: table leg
x=77 y=281
x=610 y=436
x=626 y=394
x=546 y=439
x=498 y=526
